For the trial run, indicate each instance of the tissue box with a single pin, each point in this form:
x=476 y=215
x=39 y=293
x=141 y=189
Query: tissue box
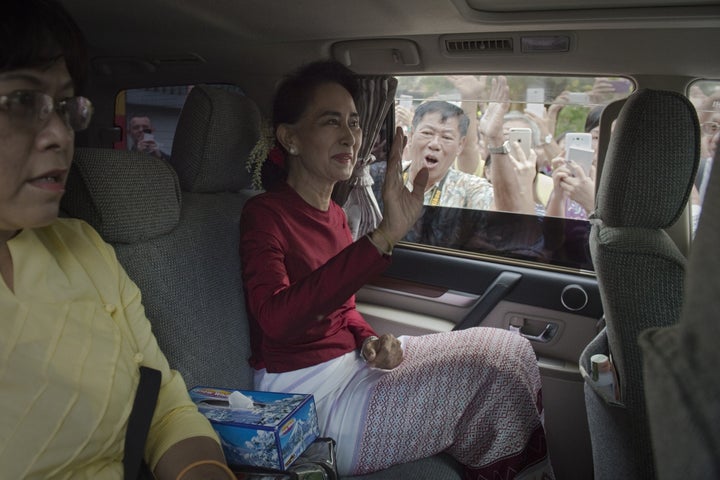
x=273 y=433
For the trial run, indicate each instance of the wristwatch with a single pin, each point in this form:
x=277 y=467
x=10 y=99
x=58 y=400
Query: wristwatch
x=548 y=139
x=503 y=149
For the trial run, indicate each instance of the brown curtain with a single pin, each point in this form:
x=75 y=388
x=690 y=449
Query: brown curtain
x=377 y=96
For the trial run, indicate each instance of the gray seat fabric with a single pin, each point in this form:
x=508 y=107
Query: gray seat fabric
x=645 y=184
x=216 y=132
x=175 y=228
x=181 y=253
x=178 y=235
x=680 y=361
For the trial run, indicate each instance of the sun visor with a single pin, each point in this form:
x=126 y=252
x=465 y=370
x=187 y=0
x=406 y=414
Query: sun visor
x=378 y=56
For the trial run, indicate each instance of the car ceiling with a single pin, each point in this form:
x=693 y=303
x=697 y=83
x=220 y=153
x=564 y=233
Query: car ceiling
x=182 y=38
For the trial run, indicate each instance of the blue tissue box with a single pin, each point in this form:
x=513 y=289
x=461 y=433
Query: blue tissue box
x=273 y=433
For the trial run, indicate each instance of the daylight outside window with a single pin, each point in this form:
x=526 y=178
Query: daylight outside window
x=705 y=96
x=148 y=117
x=555 y=118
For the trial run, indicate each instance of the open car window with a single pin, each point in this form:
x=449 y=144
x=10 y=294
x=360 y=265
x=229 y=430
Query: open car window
x=705 y=96
x=559 y=116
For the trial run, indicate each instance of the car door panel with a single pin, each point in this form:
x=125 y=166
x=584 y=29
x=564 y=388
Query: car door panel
x=427 y=292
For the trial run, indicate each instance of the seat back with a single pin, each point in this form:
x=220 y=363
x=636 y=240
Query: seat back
x=644 y=188
x=175 y=228
x=680 y=362
x=177 y=234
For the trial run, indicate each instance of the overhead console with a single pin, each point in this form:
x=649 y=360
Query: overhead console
x=591 y=11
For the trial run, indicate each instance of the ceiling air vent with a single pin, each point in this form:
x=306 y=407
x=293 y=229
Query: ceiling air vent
x=481 y=45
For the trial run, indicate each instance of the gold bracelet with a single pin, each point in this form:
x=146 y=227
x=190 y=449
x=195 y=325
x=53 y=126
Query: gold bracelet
x=224 y=467
x=386 y=238
x=377 y=247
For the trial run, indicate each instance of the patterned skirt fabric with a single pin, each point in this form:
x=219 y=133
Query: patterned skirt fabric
x=473 y=393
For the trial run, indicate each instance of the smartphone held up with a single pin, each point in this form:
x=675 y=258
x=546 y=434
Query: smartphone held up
x=582 y=157
x=578 y=149
x=524 y=137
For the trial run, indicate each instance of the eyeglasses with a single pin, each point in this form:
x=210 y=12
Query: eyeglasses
x=710 y=128
x=31 y=108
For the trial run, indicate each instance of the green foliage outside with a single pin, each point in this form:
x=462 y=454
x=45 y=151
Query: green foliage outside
x=571 y=118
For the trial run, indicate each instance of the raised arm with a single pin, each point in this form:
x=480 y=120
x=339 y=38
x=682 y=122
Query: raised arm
x=472 y=90
x=513 y=173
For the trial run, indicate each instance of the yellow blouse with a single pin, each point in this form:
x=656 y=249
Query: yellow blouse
x=72 y=337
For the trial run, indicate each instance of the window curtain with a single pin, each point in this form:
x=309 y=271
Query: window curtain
x=355 y=195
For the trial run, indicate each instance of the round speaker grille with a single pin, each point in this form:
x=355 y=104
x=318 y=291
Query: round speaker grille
x=574 y=297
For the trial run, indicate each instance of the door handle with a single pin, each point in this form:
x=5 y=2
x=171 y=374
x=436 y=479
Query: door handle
x=545 y=335
x=498 y=289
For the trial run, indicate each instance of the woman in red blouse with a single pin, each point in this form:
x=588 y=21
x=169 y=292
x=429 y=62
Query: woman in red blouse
x=386 y=400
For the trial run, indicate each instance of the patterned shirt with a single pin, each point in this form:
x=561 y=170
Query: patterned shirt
x=459 y=190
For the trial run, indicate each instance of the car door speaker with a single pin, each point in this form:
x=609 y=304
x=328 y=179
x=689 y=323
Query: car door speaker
x=574 y=297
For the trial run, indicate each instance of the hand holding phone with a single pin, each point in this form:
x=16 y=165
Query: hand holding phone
x=582 y=157
x=535 y=101
x=621 y=86
x=524 y=137
x=578 y=140
x=148 y=143
x=578 y=98
x=578 y=149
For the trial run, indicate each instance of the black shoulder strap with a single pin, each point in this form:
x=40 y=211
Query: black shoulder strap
x=139 y=421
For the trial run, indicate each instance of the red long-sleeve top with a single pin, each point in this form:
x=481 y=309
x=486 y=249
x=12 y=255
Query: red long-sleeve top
x=301 y=270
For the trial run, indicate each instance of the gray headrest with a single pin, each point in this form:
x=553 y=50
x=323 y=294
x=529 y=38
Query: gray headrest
x=216 y=132
x=126 y=196
x=651 y=161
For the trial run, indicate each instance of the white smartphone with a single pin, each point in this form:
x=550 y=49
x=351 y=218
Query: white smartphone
x=148 y=137
x=578 y=98
x=621 y=86
x=524 y=137
x=582 y=157
x=578 y=140
x=535 y=98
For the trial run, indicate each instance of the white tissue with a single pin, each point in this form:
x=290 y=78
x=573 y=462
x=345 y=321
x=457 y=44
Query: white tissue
x=239 y=401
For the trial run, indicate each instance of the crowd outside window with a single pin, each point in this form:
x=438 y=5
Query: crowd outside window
x=708 y=109
x=573 y=194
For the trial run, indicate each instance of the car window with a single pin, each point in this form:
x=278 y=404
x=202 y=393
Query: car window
x=148 y=117
x=705 y=96
x=555 y=113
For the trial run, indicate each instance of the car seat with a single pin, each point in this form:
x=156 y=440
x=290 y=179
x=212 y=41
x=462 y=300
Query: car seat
x=178 y=236
x=175 y=228
x=681 y=361
x=643 y=188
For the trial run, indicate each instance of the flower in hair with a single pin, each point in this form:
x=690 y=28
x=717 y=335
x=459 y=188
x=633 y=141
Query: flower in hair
x=263 y=149
x=277 y=156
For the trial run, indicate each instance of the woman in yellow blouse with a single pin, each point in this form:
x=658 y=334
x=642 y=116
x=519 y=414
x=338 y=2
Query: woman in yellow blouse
x=73 y=331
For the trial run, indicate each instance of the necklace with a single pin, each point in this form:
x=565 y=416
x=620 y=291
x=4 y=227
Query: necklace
x=436 y=190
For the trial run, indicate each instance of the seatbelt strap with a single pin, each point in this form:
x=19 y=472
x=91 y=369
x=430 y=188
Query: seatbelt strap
x=139 y=421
